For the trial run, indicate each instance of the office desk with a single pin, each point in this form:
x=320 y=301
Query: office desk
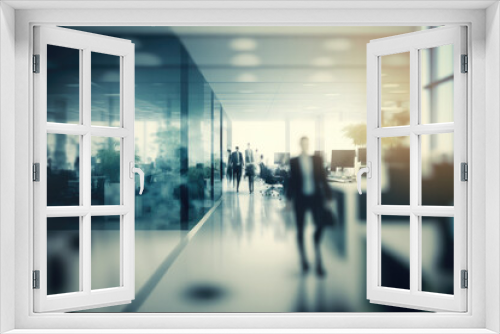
x=350 y=234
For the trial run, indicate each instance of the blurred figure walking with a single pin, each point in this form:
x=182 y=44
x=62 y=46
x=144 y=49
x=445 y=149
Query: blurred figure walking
x=237 y=164
x=250 y=172
x=250 y=169
x=308 y=190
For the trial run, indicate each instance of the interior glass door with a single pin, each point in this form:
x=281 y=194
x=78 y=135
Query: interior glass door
x=416 y=144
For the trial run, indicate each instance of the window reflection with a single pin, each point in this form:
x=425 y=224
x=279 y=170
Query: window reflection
x=436 y=80
x=437 y=169
x=437 y=254
x=63 y=255
x=63 y=169
x=105 y=252
x=105 y=159
x=105 y=97
x=395 y=170
x=395 y=251
x=395 y=91
x=63 y=85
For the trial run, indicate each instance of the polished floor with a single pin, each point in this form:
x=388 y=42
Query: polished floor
x=243 y=258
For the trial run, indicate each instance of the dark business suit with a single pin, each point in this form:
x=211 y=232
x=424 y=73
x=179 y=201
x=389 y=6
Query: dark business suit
x=314 y=202
x=250 y=171
x=237 y=164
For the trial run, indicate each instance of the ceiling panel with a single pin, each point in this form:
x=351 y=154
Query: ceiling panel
x=277 y=72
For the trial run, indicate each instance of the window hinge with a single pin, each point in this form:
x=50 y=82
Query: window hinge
x=464 y=167
x=36 y=172
x=465 y=279
x=36 y=63
x=36 y=279
x=465 y=64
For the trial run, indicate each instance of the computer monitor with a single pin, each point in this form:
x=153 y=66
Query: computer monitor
x=281 y=158
x=362 y=155
x=342 y=159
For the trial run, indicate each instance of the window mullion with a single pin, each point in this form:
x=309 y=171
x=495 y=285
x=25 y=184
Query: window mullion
x=414 y=171
x=85 y=247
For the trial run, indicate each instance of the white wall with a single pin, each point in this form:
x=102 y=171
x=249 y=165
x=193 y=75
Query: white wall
x=492 y=163
x=225 y=17
x=7 y=160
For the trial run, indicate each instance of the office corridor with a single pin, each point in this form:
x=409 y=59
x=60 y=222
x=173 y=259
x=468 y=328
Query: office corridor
x=244 y=258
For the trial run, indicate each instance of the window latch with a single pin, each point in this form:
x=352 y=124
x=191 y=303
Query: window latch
x=361 y=171
x=132 y=171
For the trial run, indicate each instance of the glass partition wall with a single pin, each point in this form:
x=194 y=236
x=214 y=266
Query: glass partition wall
x=178 y=143
x=178 y=131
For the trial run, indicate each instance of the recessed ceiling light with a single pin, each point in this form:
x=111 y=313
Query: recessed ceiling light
x=243 y=44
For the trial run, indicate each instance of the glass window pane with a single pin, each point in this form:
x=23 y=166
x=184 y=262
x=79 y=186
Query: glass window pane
x=63 y=170
x=199 y=144
x=395 y=170
x=395 y=251
x=63 y=85
x=105 y=92
x=437 y=169
x=105 y=259
x=444 y=61
x=436 y=79
x=437 y=254
x=105 y=171
x=63 y=255
x=395 y=91
x=217 y=151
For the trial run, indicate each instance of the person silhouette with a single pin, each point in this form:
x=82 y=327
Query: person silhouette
x=250 y=168
x=237 y=164
x=308 y=190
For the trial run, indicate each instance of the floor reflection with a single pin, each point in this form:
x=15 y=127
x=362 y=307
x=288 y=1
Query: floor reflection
x=244 y=259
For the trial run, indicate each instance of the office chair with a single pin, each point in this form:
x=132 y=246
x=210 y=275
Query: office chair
x=274 y=183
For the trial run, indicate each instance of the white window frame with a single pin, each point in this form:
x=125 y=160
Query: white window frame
x=483 y=261
x=413 y=44
x=86 y=44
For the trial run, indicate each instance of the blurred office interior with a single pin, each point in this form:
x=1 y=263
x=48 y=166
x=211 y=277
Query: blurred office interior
x=201 y=91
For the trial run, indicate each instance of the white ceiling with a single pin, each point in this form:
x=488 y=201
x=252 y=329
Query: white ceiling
x=277 y=72
x=218 y=4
